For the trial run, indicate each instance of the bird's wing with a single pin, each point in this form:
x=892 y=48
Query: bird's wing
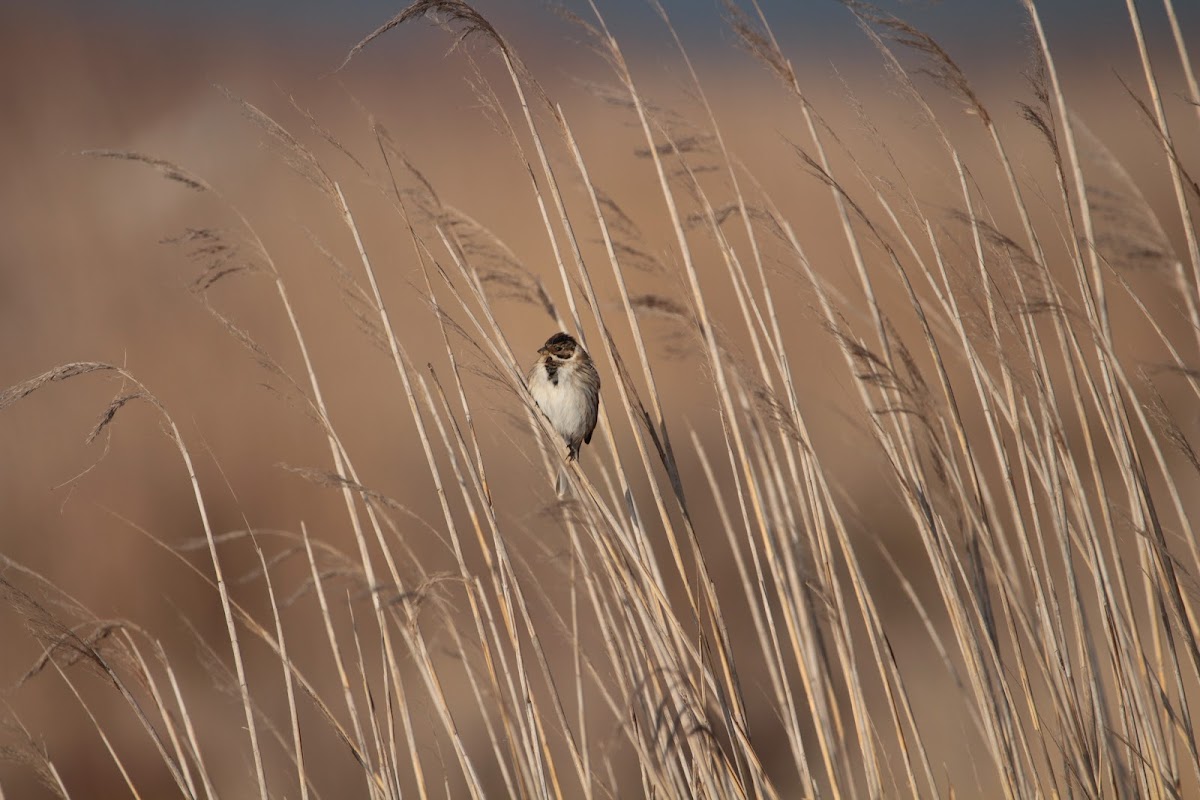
x=593 y=388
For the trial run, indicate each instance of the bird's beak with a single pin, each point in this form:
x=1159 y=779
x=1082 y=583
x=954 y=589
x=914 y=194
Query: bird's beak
x=543 y=351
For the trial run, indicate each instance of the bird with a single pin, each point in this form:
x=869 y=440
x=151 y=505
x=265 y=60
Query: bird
x=566 y=386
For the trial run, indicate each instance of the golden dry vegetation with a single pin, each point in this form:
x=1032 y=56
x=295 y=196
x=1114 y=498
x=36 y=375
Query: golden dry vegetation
x=893 y=495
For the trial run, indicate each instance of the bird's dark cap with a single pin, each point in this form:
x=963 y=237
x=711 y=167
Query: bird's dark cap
x=560 y=338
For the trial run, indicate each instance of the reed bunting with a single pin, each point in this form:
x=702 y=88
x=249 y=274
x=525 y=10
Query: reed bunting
x=566 y=386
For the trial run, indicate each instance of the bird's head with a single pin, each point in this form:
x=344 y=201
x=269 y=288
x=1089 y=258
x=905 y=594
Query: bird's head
x=560 y=345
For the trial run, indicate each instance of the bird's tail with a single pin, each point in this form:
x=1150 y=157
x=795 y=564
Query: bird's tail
x=560 y=487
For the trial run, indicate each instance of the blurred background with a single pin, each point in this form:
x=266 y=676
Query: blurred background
x=88 y=271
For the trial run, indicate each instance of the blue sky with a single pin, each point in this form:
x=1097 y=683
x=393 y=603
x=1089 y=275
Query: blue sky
x=341 y=18
x=977 y=32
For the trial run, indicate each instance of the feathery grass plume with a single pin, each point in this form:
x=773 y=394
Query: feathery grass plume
x=217 y=257
x=942 y=68
x=441 y=12
x=27 y=753
x=292 y=152
x=163 y=167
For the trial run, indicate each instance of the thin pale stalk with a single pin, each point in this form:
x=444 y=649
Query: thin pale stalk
x=298 y=749
x=108 y=745
x=1160 y=117
x=164 y=712
x=1184 y=59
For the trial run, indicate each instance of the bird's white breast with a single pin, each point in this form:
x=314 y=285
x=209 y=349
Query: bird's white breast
x=564 y=403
